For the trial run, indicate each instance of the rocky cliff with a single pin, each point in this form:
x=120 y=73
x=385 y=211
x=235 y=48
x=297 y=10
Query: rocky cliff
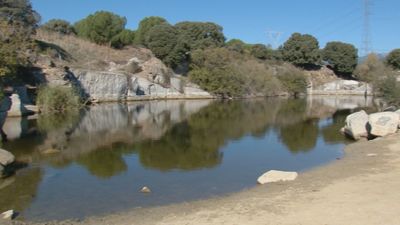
x=135 y=80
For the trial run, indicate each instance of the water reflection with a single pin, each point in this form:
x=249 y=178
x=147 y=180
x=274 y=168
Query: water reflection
x=107 y=141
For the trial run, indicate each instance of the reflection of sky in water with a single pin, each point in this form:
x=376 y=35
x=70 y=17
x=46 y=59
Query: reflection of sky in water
x=197 y=153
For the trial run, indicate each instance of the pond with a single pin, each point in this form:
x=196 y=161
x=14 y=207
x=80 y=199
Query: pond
x=96 y=161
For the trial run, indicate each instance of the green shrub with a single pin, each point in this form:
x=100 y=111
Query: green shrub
x=124 y=38
x=57 y=99
x=293 y=80
x=59 y=26
x=393 y=59
x=227 y=73
x=389 y=89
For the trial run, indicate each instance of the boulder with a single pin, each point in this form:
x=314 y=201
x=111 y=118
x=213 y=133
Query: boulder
x=276 y=176
x=8 y=215
x=383 y=123
x=356 y=125
x=6 y=158
x=145 y=190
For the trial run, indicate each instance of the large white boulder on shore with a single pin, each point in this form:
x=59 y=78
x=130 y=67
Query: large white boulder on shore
x=356 y=125
x=6 y=158
x=276 y=176
x=383 y=123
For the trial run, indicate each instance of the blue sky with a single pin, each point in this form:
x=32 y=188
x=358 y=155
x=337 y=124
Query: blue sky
x=250 y=20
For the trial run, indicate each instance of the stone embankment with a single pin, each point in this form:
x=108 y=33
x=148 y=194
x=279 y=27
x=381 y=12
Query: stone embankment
x=361 y=125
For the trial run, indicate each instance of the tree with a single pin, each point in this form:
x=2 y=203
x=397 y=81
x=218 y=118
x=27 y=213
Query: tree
x=199 y=35
x=236 y=45
x=163 y=40
x=18 y=21
x=301 y=50
x=100 y=27
x=342 y=57
x=261 y=51
x=393 y=59
x=124 y=38
x=144 y=27
x=59 y=26
x=19 y=13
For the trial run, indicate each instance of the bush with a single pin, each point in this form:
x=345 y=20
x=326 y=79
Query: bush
x=293 y=80
x=261 y=51
x=59 y=26
x=371 y=70
x=301 y=50
x=389 y=89
x=57 y=99
x=393 y=59
x=341 y=56
x=126 y=37
x=227 y=73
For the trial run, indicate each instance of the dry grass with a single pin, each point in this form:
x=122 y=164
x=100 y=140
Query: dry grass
x=85 y=54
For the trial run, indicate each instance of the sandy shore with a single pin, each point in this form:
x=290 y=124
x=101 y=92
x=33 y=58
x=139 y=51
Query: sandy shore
x=358 y=189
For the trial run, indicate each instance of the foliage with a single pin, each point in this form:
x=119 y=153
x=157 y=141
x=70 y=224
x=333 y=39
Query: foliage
x=393 y=59
x=144 y=27
x=227 y=74
x=371 y=69
x=199 y=35
x=100 y=27
x=18 y=22
x=124 y=38
x=341 y=56
x=163 y=40
x=57 y=99
x=389 y=89
x=236 y=45
x=261 y=51
x=59 y=26
x=301 y=50
x=19 y=13
x=293 y=81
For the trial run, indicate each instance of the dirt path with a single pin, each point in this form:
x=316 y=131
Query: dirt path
x=358 y=189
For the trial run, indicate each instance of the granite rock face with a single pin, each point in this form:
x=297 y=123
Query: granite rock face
x=342 y=87
x=383 y=123
x=356 y=125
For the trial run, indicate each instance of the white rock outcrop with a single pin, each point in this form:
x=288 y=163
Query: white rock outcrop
x=276 y=176
x=383 y=123
x=356 y=125
x=342 y=87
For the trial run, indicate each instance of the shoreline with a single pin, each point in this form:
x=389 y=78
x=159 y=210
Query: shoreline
x=357 y=189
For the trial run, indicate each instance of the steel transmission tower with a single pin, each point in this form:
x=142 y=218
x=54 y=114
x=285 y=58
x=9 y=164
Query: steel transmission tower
x=275 y=37
x=367 y=32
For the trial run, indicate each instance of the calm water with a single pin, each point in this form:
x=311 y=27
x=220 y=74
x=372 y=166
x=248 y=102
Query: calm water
x=96 y=162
